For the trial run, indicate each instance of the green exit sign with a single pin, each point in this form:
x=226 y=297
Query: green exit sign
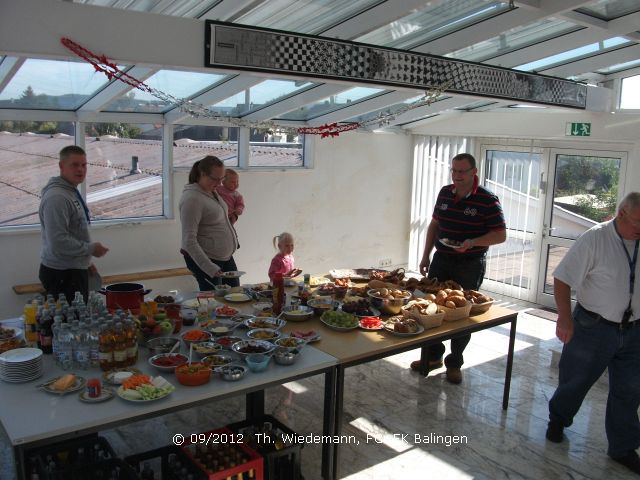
x=578 y=130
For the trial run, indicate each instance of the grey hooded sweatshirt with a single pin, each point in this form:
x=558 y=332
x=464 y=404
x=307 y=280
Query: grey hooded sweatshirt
x=66 y=242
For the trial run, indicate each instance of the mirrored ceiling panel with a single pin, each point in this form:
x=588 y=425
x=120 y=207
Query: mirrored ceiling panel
x=177 y=84
x=260 y=95
x=438 y=18
x=333 y=103
x=304 y=16
x=515 y=39
x=52 y=85
x=611 y=9
x=574 y=54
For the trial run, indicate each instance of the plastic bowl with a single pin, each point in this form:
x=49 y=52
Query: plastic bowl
x=257 y=362
x=222 y=290
x=388 y=307
x=193 y=375
x=188 y=316
x=161 y=345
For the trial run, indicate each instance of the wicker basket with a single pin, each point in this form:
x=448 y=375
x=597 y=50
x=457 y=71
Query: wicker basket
x=427 y=321
x=478 y=308
x=453 y=314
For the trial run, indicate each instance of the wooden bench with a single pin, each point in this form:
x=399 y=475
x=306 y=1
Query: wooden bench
x=34 y=288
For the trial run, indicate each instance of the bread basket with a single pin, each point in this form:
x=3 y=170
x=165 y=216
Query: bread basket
x=453 y=314
x=427 y=321
x=478 y=308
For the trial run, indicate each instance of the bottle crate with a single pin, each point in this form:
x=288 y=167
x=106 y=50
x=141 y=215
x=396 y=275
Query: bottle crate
x=165 y=463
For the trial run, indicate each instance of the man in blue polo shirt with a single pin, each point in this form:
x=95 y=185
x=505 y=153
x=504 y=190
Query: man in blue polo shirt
x=470 y=216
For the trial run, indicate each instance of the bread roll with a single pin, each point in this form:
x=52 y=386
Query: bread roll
x=450 y=304
x=64 y=383
x=458 y=300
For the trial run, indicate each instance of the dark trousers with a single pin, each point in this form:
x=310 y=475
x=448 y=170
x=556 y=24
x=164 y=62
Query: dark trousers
x=205 y=282
x=468 y=271
x=595 y=347
x=68 y=282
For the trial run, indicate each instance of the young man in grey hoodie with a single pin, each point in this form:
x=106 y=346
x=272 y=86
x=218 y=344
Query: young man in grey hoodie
x=64 y=217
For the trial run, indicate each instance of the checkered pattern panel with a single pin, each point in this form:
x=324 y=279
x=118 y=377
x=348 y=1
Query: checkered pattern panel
x=298 y=54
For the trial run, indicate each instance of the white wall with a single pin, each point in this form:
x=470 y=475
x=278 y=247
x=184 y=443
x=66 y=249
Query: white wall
x=350 y=210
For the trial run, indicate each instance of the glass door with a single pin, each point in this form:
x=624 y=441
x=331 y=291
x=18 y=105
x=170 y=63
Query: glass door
x=581 y=191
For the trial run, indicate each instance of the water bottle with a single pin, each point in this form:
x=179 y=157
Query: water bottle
x=82 y=348
x=55 y=339
x=65 y=347
x=94 y=342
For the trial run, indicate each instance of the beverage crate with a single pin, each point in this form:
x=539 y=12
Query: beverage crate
x=57 y=461
x=165 y=463
x=281 y=457
x=113 y=468
x=222 y=446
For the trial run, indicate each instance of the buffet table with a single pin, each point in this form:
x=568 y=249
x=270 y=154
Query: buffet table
x=358 y=346
x=32 y=417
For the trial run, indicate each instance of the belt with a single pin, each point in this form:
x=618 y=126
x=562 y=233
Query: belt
x=601 y=319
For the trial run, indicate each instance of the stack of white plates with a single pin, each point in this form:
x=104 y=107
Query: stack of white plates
x=21 y=365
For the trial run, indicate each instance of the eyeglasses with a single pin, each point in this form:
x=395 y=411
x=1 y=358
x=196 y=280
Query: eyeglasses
x=460 y=172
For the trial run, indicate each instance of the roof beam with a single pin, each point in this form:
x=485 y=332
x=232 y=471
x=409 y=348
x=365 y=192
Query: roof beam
x=8 y=68
x=596 y=62
x=115 y=89
x=217 y=94
x=363 y=107
x=295 y=102
x=436 y=107
x=226 y=10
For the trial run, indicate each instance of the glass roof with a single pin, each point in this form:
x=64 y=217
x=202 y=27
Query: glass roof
x=574 y=54
x=180 y=8
x=514 y=39
x=332 y=103
x=52 y=84
x=260 y=95
x=178 y=84
x=304 y=16
x=439 y=18
x=479 y=104
x=388 y=109
x=611 y=9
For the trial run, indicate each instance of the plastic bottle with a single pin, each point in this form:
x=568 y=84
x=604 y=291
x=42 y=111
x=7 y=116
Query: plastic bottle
x=82 y=350
x=278 y=294
x=55 y=338
x=45 y=334
x=65 y=347
x=30 y=324
x=94 y=344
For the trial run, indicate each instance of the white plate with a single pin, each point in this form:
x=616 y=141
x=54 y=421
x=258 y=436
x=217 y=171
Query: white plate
x=400 y=334
x=371 y=329
x=237 y=297
x=311 y=338
x=446 y=242
x=19 y=355
x=80 y=383
x=121 y=389
x=232 y=274
x=105 y=394
x=226 y=315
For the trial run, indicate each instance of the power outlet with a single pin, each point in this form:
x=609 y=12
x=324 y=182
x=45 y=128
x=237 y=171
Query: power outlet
x=385 y=262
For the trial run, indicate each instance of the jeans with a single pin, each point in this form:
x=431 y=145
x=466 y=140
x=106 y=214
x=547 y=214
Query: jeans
x=468 y=272
x=205 y=282
x=594 y=347
x=65 y=281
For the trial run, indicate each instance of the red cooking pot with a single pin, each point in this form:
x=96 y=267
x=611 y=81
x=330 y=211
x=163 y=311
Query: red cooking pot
x=127 y=296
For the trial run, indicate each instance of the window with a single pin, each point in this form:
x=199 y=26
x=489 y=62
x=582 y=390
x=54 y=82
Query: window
x=629 y=96
x=29 y=157
x=193 y=142
x=275 y=148
x=124 y=177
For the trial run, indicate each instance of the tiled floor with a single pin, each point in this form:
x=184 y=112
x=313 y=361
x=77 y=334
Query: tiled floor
x=385 y=400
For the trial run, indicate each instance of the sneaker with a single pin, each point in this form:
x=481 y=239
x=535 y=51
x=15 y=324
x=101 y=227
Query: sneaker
x=432 y=365
x=454 y=375
x=554 y=431
x=630 y=460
